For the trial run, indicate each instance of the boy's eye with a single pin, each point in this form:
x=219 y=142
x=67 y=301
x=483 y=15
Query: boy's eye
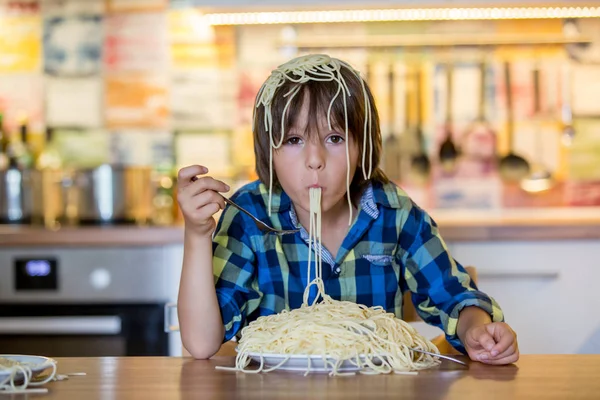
x=294 y=140
x=335 y=139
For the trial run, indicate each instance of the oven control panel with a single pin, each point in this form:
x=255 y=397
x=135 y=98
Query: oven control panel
x=86 y=275
x=34 y=274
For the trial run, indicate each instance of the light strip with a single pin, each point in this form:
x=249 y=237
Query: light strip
x=407 y=14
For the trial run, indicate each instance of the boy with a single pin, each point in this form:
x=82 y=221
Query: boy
x=316 y=125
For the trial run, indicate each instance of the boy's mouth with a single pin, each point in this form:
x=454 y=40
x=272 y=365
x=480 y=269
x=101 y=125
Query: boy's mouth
x=315 y=186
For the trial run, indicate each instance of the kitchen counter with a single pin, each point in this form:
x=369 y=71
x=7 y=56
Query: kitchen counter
x=91 y=236
x=455 y=226
x=533 y=376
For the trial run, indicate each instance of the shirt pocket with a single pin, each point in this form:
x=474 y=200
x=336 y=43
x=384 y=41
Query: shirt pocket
x=380 y=260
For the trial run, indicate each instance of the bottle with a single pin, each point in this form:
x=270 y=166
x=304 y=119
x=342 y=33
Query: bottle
x=3 y=145
x=19 y=154
x=49 y=206
x=50 y=157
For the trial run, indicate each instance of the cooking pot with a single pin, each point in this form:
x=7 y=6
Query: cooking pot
x=113 y=194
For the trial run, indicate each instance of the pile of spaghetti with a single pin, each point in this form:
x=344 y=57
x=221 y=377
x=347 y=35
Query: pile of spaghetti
x=18 y=371
x=340 y=332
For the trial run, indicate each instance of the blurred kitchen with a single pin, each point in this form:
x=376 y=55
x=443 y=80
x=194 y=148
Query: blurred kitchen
x=490 y=119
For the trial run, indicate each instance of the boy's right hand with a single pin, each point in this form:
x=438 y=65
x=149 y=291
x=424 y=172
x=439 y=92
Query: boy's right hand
x=199 y=199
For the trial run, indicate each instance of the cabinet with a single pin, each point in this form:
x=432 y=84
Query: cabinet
x=547 y=289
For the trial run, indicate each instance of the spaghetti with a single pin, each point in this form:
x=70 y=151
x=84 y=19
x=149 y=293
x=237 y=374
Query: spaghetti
x=17 y=371
x=368 y=338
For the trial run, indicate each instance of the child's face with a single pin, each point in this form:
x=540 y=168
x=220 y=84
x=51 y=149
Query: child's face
x=308 y=159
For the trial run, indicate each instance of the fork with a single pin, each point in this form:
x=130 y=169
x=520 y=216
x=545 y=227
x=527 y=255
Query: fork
x=261 y=225
x=427 y=352
x=441 y=356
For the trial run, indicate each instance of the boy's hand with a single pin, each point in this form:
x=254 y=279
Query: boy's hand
x=492 y=343
x=199 y=199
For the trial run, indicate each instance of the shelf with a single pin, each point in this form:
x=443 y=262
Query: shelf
x=432 y=40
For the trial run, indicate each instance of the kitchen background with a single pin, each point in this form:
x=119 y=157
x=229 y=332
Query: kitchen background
x=485 y=113
x=152 y=84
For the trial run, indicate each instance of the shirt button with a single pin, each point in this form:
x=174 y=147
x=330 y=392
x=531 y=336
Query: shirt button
x=338 y=270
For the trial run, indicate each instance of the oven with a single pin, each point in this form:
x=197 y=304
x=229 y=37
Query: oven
x=74 y=302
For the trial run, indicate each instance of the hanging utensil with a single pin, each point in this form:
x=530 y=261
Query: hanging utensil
x=540 y=178
x=478 y=144
x=448 y=152
x=420 y=163
x=568 y=133
x=512 y=166
x=392 y=152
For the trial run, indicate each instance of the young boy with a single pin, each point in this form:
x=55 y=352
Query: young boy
x=316 y=125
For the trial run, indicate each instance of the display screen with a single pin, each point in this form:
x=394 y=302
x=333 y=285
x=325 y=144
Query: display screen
x=36 y=274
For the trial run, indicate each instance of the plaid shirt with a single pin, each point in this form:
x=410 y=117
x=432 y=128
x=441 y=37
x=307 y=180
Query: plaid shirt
x=392 y=246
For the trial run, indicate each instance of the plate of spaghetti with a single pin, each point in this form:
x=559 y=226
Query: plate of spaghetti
x=307 y=363
x=18 y=371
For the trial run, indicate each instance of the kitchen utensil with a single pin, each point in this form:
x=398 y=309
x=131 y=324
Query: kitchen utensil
x=420 y=163
x=112 y=194
x=540 y=178
x=392 y=151
x=441 y=356
x=512 y=166
x=424 y=351
x=15 y=196
x=448 y=152
x=261 y=225
x=478 y=144
x=568 y=133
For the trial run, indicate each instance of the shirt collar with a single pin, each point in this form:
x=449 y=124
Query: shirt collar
x=375 y=193
x=368 y=203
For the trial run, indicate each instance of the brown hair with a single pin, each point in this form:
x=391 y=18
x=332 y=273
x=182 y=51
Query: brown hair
x=320 y=94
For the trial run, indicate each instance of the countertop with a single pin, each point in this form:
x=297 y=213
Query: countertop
x=455 y=226
x=533 y=376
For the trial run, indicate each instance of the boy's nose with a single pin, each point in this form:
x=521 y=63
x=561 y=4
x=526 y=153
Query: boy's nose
x=315 y=157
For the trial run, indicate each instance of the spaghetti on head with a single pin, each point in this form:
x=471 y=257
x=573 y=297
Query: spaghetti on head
x=336 y=93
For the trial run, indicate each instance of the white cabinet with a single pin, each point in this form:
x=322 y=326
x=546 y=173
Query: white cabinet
x=547 y=289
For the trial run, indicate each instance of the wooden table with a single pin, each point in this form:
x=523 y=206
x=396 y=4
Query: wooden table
x=534 y=376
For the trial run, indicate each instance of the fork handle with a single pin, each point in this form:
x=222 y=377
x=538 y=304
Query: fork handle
x=231 y=203
x=441 y=356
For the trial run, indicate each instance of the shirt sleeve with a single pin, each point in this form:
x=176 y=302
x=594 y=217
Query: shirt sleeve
x=440 y=286
x=234 y=268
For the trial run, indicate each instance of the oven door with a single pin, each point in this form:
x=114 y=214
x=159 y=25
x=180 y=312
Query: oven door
x=90 y=330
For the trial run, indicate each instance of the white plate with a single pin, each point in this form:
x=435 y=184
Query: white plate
x=38 y=364
x=299 y=362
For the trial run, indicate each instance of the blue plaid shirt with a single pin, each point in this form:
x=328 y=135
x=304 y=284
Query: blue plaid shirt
x=392 y=246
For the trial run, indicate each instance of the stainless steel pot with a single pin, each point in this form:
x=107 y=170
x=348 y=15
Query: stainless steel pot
x=15 y=196
x=111 y=194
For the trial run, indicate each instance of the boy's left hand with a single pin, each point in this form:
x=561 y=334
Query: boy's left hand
x=493 y=343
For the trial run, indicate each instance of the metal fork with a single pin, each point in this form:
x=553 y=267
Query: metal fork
x=428 y=352
x=261 y=225
x=441 y=356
